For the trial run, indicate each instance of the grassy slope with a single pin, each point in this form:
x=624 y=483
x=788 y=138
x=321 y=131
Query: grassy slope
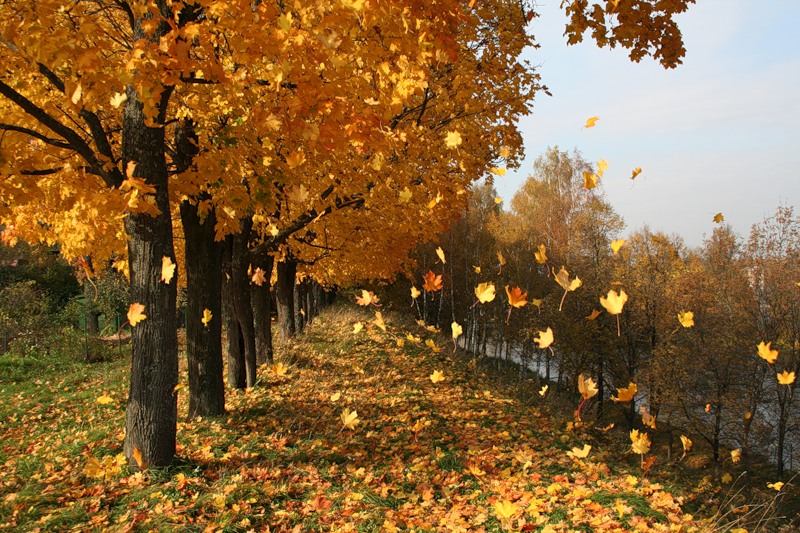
x=283 y=459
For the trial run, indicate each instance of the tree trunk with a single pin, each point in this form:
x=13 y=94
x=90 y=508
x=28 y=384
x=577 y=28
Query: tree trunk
x=299 y=311
x=151 y=414
x=203 y=291
x=262 y=302
x=240 y=262
x=236 y=367
x=284 y=292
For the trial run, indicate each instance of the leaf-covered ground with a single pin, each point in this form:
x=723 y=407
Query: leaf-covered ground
x=458 y=455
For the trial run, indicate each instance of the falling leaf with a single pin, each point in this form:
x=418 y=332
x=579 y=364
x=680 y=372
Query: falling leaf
x=358 y=326
x=544 y=339
x=104 y=399
x=349 y=418
x=167 y=269
x=259 y=277
x=476 y=269
x=543 y=390
x=616 y=245
x=452 y=139
x=562 y=278
x=776 y=486
x=136 y=314
x=437 y=376
x=640 y=442
x=602 y=166
x=502 y=260
x=485 y=292
x=687 y=445
x=766 y=353
x=440 y=253
x=433 y=282
x=456 y=330
x=648 y=419
x=587 y=387
x=786 y=377
x=541 y=254
x=589 y=180
x=430 y=343
x=614 y=302
x=279 y=369
x=207 y=316
x=379 y=321
x=590 y=122
x=137 y=457
x=498 y=200
x=636 y=172
x=686 y=318
x=516 y=298
x=415 y=293
x=719 y=218
x=736 y=455
x=626 y=394
x=594 y=314
x=335 y=396
x=505 y=509
x=367 y=298
x=580 y=453
x=708 y=408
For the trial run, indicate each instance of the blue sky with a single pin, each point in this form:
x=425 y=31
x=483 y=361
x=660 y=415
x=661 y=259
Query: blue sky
x=717 y=134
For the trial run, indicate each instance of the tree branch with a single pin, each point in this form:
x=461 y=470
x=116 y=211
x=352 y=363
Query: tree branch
x=33 y=133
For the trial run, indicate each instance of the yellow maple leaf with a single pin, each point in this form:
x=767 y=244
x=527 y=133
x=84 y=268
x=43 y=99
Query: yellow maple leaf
x=541 y=254
x=137 y=457
x=544 y=339
x=335 y=396
x=415 y=292
x=589 y=180
x=104 y=399
x=476 y=269
x=626 y=394
x=349 y=418
x=259 y=277
x=437 y=376
x=207 y=316
x=543 y=390
x=440 y=253
x=636 y=171
x=499 y=171
x=279 y=369
x=358 y=326
x=505 y=509
x=562 y=278
x=294 y=160
x=602 y=166
x=776 y=486
x=498 y=200
x=591 y=121
x=136 y=314
x=379 y=321
x=686 y=318
x=94 y=468
x=452 y=139
x=367 y=298
x=766 y=353
x=167 y=269
x=580 y=453
x=587 y=387
x=616 y=245
x=117 y=100
x=456 y=330
x=640 y=442
x=485 y=292
x=786 y=377
x=405 y=196
x=501 y=259
x=430 y=343
x=736 y=455
x=687 y=445
x=719 y=218
x=648 y=419
x=614 y=301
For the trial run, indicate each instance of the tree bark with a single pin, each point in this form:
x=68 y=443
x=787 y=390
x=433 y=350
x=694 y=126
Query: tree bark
x=236 y=367
x=262 y=310
x=243 y=309
x=151 y=414
x=203 y=291
x=299 y=306
x=284 y=292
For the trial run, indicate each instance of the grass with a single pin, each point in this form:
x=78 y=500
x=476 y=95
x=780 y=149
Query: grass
x=423 y=457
